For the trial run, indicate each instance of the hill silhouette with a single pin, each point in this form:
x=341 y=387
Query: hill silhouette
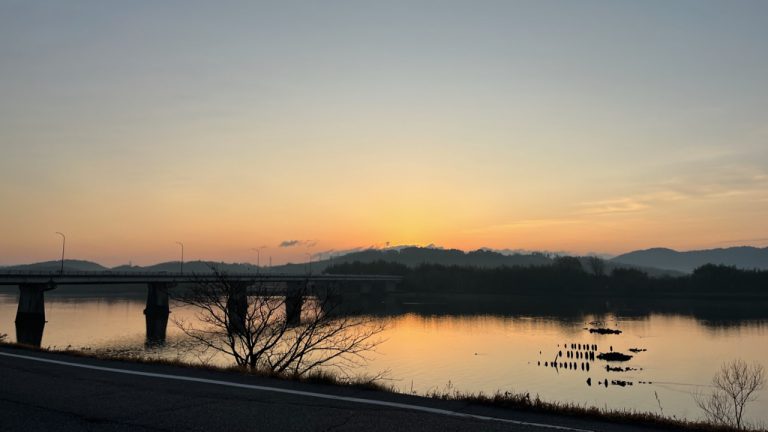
x=744 y=257
x=481 y=258
x=414 y=256
x=190 y=267
x=54 y=266
x=408 y=256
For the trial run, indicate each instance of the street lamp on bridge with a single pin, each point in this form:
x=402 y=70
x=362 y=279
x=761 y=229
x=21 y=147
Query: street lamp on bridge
x=258 y=257
x=181 y=268
x=63 y=244
x=310 y=262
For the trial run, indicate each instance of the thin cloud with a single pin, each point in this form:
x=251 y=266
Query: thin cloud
x=632 y=203
x=508 y=251
x=524 y=224
x=706 y=183
x=294 y=243
x=340 y=252
x=743 y=241
x=620 y=205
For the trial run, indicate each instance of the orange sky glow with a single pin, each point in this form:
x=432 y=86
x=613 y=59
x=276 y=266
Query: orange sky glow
x=507 y=126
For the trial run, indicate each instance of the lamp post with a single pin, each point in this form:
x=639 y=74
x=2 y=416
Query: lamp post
x=258 y=257
x=181 y=267
x=63 y=244
x=310 y=262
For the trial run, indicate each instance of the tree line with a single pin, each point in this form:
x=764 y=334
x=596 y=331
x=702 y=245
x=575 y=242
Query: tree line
x=564 y=275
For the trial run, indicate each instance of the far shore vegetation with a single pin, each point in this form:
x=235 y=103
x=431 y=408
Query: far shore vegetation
x=523 y=401
x=567 y=276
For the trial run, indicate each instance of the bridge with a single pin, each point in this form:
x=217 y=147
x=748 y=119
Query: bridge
x=111 y=278
x=30 y=315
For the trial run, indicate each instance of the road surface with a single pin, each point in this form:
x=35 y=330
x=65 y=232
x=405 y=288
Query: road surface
x=55 y=392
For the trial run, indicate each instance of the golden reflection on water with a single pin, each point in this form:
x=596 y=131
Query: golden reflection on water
x=483 y=352
x=489 y=353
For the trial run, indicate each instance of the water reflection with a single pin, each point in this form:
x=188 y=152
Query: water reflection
x=711 y=313
x=156 y=329
x=29 y=329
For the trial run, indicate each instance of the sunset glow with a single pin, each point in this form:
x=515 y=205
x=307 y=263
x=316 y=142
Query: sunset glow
x=601 y=128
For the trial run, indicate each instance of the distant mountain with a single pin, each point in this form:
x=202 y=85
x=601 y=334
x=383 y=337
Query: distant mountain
x=410 y=256
x=69 y=265
x=744 y=257
x=414 y=256
x=190 y=267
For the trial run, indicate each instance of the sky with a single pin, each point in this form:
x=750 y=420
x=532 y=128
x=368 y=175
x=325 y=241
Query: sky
x=581 y=126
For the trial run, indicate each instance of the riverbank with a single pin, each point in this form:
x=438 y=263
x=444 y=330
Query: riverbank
x=511 y=404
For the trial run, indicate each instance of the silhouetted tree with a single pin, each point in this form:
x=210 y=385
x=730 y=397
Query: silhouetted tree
x=251 y=325
x=568 y=263
x=629 y=280
x=565 y=275
x=379 y=267
x=596 y=265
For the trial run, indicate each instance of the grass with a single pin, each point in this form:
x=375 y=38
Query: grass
x=524 y=402
x=505 y=400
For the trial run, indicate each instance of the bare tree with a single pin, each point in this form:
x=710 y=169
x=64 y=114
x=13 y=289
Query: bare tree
x=597 y=265
x=735 y=385
x=253 y=324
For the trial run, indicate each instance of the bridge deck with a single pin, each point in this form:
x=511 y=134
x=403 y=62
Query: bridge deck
x=110 y=278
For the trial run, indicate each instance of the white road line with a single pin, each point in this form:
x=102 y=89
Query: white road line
x=298 y=393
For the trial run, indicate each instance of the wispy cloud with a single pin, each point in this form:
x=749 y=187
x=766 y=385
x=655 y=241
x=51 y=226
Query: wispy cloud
x=339 y=252
x=508 y=251
x=618 y=205
x=524 y=224
x=728 y=183
x=629 y=204
x=703 y=186
x=746 y=241
x=295 y=243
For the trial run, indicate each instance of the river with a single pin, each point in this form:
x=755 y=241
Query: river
x=489 y=346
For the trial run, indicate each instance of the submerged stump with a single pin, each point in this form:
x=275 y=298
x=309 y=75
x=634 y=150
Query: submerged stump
x=614 y=356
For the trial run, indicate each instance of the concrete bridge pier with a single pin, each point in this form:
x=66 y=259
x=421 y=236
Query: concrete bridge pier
x=157 y=311
x=237 y=306
x=30 y=315
x=366 y=288
x=332 y=292
x=294 y=300
x=390 y=287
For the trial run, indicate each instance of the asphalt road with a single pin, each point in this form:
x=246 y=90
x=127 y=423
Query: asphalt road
x=55 y=392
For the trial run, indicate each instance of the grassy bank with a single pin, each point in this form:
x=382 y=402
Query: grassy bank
x=506 y=400
x=525 y=402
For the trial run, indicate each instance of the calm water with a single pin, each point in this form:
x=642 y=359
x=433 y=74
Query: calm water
x=483 y=352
